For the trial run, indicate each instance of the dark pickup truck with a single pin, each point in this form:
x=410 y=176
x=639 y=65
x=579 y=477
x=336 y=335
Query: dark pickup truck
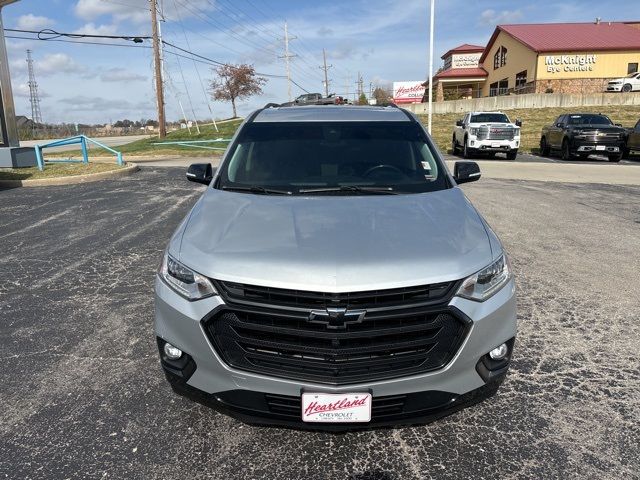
x=318 y=99
x=583 y=134
x=633 y=141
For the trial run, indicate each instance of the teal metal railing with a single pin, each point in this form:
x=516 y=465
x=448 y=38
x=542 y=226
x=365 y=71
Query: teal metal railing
x=79 y=139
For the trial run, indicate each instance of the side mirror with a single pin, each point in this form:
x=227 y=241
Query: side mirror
x=459 y=123
x=559 y=125
x=518 y=122
x=618 y=124
x=200 y=173
x=464 y=172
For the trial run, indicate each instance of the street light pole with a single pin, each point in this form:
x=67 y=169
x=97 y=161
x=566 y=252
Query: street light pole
x=431 y=64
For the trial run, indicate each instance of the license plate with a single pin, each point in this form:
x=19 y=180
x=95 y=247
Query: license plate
x=600 y=147
x=336 y=407
x=495 y=145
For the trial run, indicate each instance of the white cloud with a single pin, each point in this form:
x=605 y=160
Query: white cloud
x=34 y=22
x=92 y=29
x=22 y=90
x=118 y=74
x=136 y=11
x=51 y=64
x=490 y=17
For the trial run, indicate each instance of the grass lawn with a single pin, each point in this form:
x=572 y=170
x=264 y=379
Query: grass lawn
x=146 y=147
x=55 y=170
x=533 y=120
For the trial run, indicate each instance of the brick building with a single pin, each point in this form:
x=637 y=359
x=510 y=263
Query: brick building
x=541 y=58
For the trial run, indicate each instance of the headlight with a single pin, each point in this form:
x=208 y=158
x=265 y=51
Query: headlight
x=185 y=281
x=473 y=131
x=483 y=284
x=516 y=132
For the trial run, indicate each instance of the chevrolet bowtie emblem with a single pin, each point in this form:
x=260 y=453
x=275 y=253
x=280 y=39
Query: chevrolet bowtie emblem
x=336 y=318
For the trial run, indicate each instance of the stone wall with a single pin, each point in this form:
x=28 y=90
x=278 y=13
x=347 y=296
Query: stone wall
x=529 y=100
x=572 y=85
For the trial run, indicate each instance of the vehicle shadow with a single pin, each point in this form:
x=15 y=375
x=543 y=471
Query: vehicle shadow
x=376 y=474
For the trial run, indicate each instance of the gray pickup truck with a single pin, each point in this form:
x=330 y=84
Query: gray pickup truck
x=318 y=99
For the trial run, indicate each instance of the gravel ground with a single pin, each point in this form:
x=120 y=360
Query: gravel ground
x=83 y=395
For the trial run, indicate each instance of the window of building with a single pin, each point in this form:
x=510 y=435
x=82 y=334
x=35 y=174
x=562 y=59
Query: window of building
x=500 y=58
x=499 y=88
x=521 y=79
x=632 y=68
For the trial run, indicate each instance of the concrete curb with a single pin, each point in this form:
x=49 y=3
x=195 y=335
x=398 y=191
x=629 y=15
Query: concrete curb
x=72 y=179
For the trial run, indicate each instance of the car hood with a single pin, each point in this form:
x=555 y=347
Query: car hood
x=335 y=243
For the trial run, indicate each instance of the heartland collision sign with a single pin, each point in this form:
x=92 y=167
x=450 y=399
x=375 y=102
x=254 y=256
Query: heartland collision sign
x=408 y=92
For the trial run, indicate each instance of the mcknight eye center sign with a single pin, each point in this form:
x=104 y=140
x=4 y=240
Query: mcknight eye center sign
x=570 y=63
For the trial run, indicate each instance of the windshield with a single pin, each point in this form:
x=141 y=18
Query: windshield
x=489 y=118
x=344 y=157
x=589 y=120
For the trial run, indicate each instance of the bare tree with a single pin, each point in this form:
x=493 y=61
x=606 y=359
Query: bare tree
x=382 y=95
x=235 y=82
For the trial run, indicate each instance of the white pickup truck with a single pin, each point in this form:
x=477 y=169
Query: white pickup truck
x=488 y=133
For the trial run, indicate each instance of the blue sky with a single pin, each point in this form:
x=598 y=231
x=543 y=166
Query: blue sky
x=384 y=40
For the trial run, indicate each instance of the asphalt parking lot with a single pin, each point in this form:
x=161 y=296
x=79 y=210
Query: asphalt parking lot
x=529 y=157
x=83 y=395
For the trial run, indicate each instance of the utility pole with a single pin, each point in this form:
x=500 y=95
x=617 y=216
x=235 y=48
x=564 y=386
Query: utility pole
x=157 y=60
x=347 y=84
x=359 y=83
x=34 y=98
x=287 y=56
x=325 y=68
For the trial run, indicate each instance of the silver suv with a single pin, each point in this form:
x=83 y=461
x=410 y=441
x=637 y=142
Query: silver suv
x=333 y=275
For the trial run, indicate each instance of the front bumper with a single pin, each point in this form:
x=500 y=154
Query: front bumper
x=591 y=146
x=614 y=88
x=494 y=145
x=242 y=394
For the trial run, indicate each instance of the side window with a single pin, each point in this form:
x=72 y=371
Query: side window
x=467 y=118
x=637 y=127
x=560 y=120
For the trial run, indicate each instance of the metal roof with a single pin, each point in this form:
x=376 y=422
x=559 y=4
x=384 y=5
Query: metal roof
x=464 y=48
x=568 y=37
x=462 y=73
x=332 y=113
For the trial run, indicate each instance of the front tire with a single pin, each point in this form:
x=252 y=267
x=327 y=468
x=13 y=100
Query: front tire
x=454 y=145
x=616 y=157
x=512 y=154
x=545 y=150
x=627 y=87
x=566 y=150
x=466 y=151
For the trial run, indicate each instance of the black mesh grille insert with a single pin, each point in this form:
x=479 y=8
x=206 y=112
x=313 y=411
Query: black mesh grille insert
x=284 y=343
x=422 y=294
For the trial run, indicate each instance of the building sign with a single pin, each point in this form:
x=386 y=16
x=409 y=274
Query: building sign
x=570 y=63
x=466 y=60
x=408 y=92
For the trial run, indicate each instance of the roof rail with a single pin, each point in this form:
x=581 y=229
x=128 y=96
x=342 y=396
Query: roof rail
x=387 y=104
x=269 y=105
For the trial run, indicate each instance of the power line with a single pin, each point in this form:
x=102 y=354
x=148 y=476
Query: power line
x=48 y=34
x=15 y=37
x=195 y=65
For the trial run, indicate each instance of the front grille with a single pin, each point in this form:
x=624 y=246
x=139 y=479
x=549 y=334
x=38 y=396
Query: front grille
x=292 y=406
x=382 y=343
x=252 y=294
x=498 y=133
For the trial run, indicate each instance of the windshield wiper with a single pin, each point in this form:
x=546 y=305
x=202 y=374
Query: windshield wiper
x=351 y=188
x=256 y=189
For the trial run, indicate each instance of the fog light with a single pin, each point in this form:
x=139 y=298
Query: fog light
x=174 y=353
x=497 y=353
